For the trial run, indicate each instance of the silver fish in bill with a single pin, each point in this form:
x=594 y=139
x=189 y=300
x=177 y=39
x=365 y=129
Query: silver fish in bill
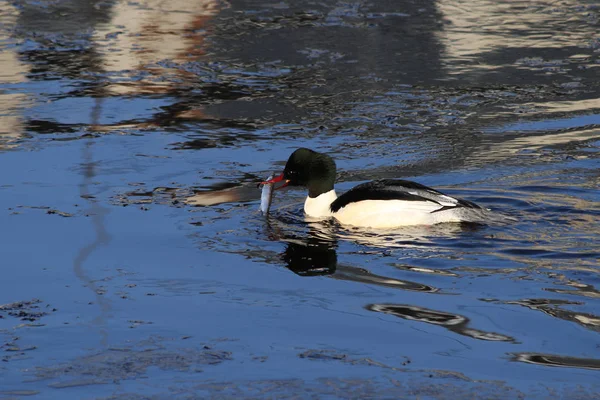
x=266 y=196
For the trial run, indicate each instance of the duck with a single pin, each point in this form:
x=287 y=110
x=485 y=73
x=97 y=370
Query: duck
x=382 y=203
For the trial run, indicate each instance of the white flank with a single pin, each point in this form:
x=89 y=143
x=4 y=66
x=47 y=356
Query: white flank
x=393 y=213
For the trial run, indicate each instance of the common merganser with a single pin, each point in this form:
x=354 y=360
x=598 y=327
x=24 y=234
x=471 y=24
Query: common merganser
x=383 y=203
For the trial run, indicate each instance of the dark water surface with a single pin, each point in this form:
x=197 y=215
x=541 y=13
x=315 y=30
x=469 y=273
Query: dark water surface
x=135 y=262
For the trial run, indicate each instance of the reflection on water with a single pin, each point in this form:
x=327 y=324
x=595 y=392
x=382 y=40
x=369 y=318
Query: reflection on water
x=476 y=33
x=425 y=270
x=580 y=289
x=314 y=258
x=310 y=258
x=365 y=276
x=141 y=34
x=453 y=322
x=101 y=238
x=13 y=72
x=314 y=253
x=97 y=213
x=185 y=105
x=553 y=360
x=218 y=195
x=552 y=308
x=557 y=107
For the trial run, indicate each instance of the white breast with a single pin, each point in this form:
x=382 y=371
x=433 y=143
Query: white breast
x=318 y=207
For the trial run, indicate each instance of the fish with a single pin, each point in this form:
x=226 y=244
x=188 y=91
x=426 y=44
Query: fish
x=266 y=196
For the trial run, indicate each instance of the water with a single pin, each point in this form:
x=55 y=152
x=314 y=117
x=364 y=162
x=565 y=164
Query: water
x=136 y=262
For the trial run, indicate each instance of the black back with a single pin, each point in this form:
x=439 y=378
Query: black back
x=396 y=189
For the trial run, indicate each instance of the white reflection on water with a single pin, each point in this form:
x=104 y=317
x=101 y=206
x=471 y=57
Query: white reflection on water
x=476 y=28
x=141 y=34
x=12 y=71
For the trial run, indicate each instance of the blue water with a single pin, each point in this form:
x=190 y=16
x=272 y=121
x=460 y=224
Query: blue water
x=117 y=283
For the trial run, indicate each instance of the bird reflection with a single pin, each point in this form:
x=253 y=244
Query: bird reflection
x=315 y=254
x=454 y=322
x=306 y=255
x=311 y=258
x=555 y=360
